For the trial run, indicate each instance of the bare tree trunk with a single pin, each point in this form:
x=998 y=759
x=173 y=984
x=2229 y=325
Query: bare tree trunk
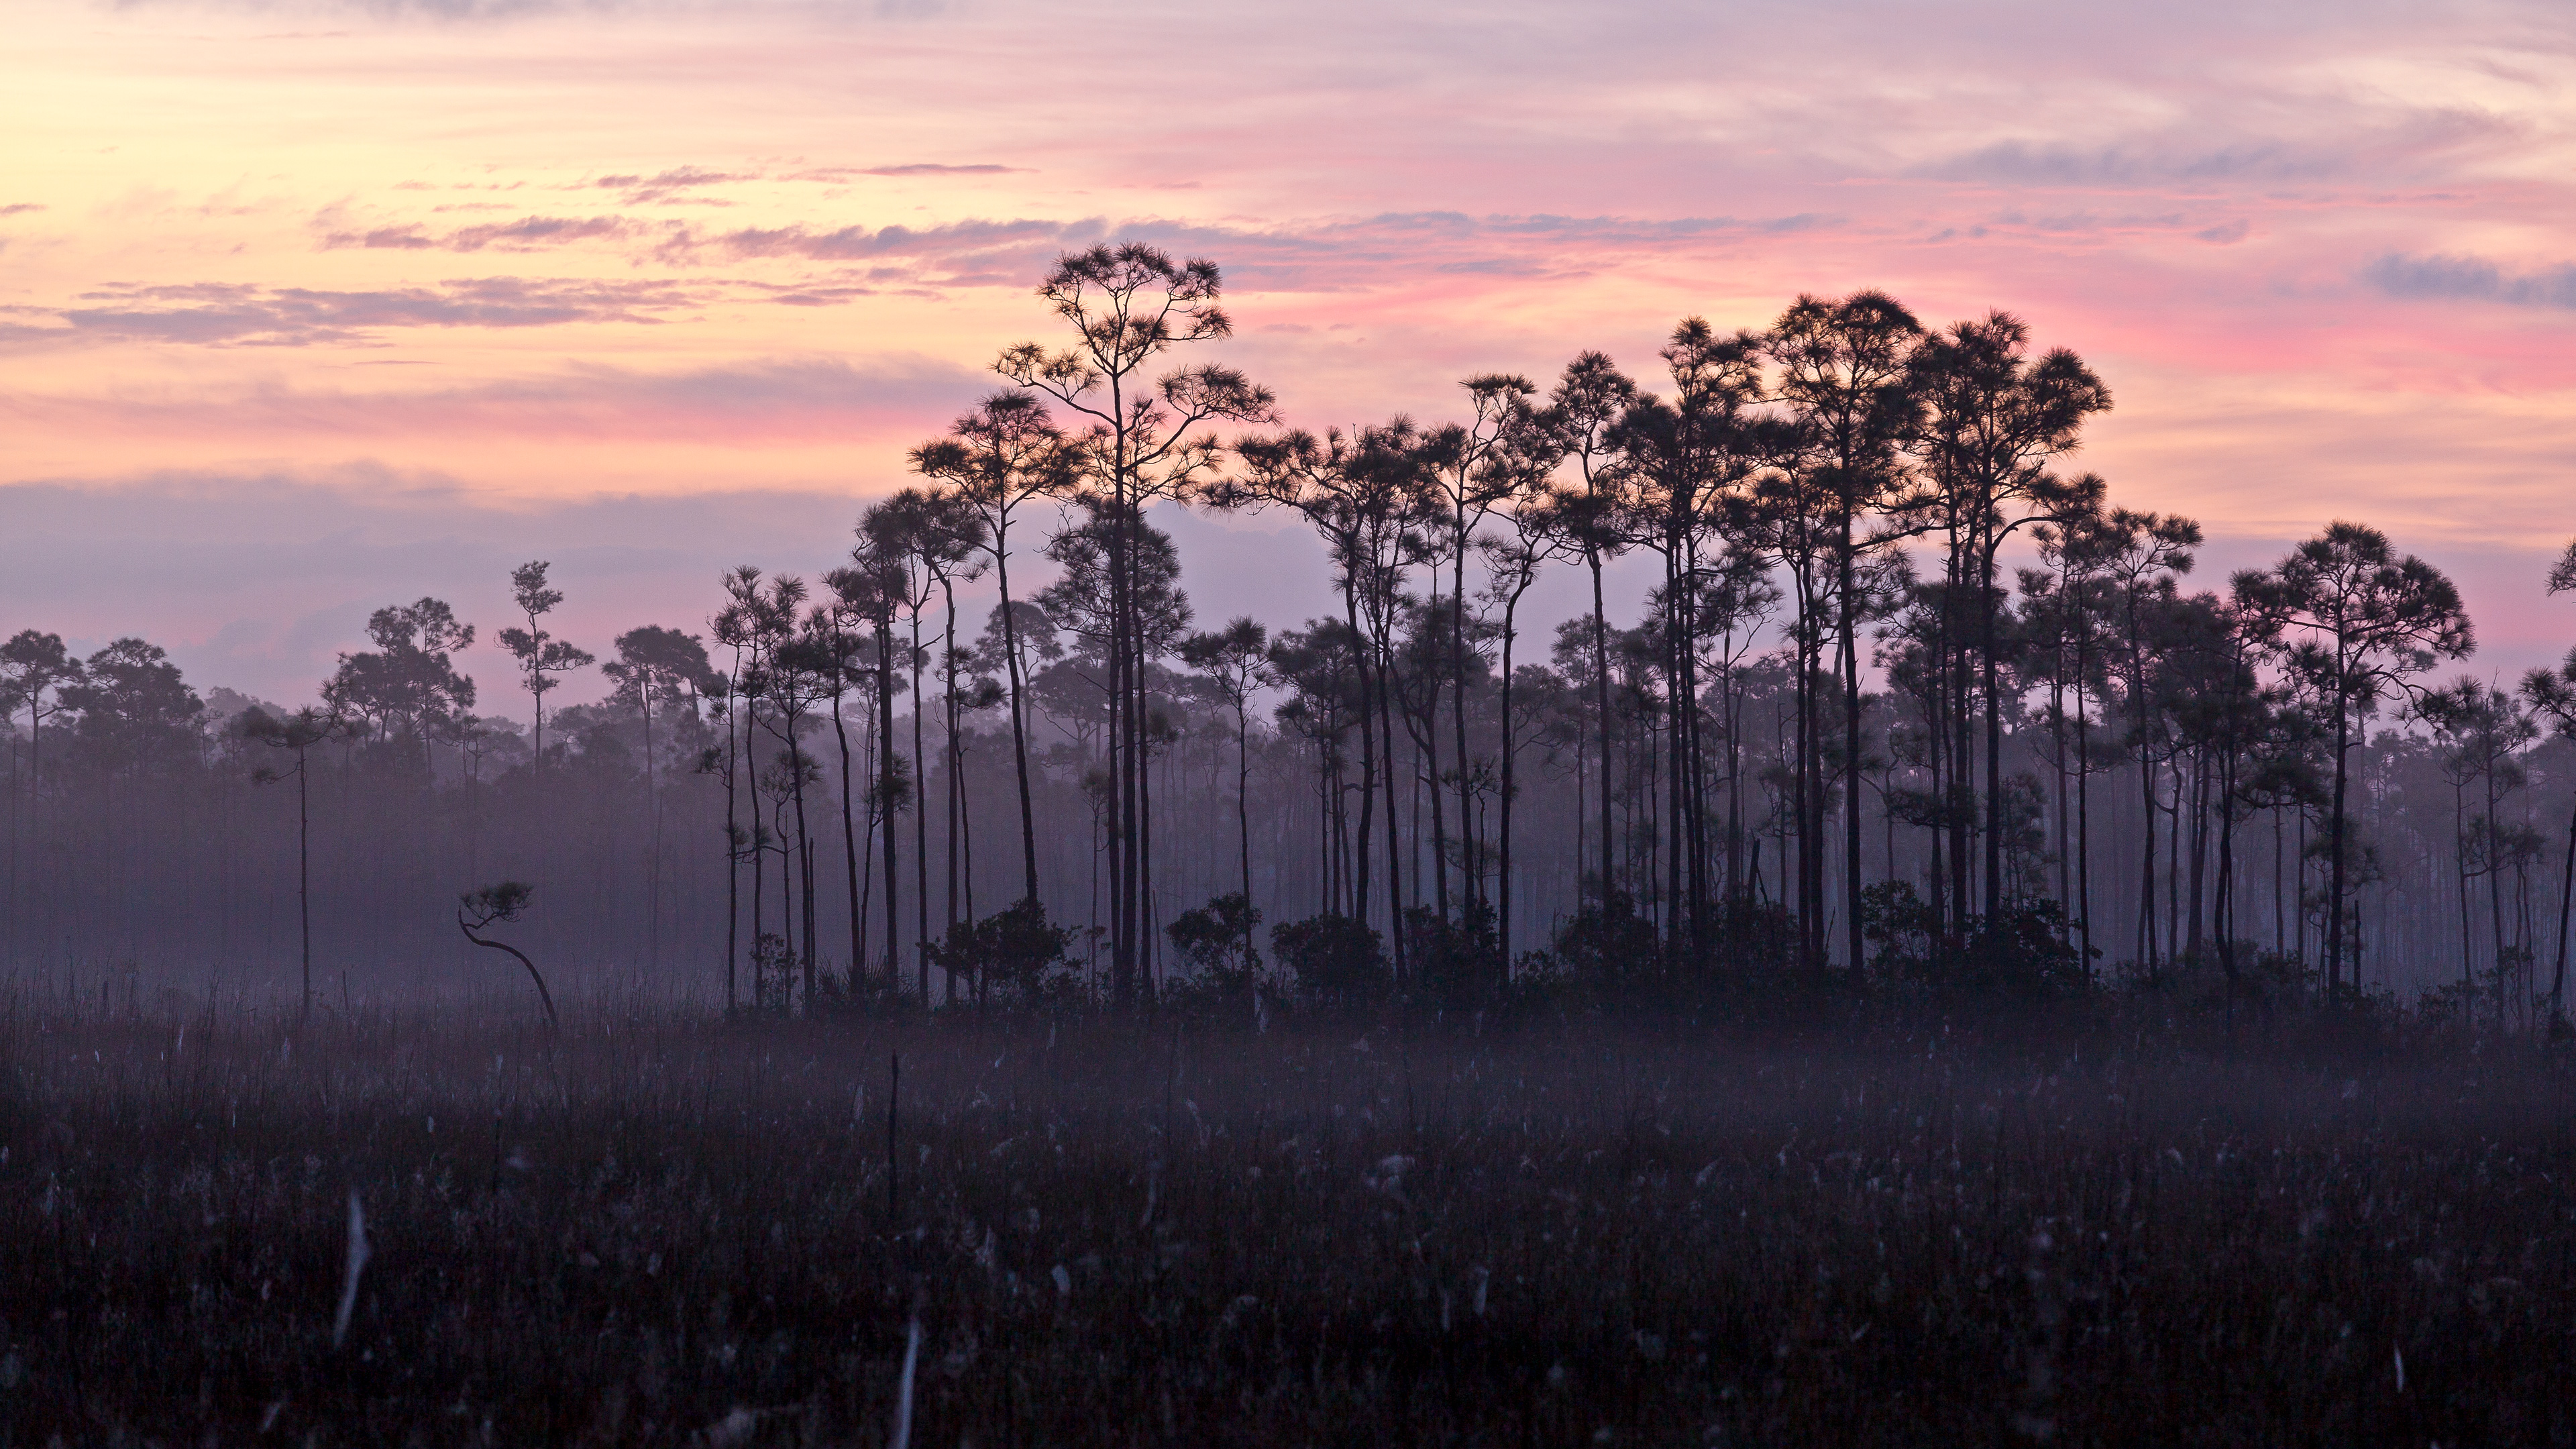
x=304 y=878
x=849 y=840
x=890 y=796
x=2566 y=898
x=920 y=820
x=1019 y=733
x=1601 y=712
x=1510 y=747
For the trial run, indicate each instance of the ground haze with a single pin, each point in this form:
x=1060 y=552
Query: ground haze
x=1348 y=1230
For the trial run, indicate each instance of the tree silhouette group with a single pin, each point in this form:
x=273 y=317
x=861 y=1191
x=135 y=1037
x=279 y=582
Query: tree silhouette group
x=1911 y=706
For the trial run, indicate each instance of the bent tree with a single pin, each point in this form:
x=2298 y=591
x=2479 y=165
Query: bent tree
x=494 y=904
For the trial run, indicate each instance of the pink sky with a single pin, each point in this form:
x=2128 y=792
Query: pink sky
x=306 y=308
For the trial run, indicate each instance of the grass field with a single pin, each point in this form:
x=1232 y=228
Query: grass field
x=1150 y=1232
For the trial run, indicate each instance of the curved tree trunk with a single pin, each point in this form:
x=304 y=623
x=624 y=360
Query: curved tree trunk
x=553 y=1022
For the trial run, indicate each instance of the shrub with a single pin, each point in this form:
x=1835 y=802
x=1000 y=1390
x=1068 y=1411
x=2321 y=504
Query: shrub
x=1900 y=930
x=1012 y=947
x=1216 y=939
x=2023 y=953
x=1333 y=957
x=1455 y=963
x=1607 y=944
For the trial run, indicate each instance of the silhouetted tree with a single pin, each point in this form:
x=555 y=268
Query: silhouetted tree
x=1512 y=564
x=1995 y=419
x=1584 y=407
x=873 y=589
x=2553 y=697
x=2482 y=732
x=655 y=664
x=1368 y=495
x=297 y=734
x=493 y=904
x=1236 y=661
x=540 y=654
x=1688 y=463
x=34 y=670
x=1844 y=370
x=1004 y=454
x=1474 y=467
x=2369 y=621
x=1127 y=306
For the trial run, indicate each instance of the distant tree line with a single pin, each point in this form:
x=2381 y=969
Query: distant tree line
x=1912 y=706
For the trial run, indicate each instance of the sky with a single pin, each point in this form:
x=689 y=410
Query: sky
x=307 y=308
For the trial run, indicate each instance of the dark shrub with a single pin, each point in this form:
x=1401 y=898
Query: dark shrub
x=1454 y=963
x=1011 y=948
x=1216 y=939
x=1607 y=945
x=1334 y=957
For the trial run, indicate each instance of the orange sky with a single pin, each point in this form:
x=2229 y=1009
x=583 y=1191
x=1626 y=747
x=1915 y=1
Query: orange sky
x=372 y=295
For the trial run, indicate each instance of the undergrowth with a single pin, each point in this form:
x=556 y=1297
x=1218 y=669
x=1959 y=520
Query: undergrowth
x=1337 y=1230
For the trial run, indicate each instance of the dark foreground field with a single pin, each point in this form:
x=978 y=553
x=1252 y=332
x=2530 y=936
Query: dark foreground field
x=1150 y=1234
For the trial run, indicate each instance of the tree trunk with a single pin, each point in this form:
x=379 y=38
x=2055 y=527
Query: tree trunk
x=2566 y=898
x=1601 y=709
x=1019 y=733
x=553 y=1023
x=890 y=796
x=920 y=822
x=304 y=878
x=849 y=837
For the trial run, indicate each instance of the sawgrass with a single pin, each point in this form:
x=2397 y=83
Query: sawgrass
x=668 y=1231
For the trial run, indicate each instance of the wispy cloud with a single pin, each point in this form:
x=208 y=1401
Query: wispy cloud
x=640 y=190
x=2473 y=279
x=859 y=243
x=774 y=399
x=2337 y=139
x=222 y=314
x=1010 y=251
x=1324 y=255
x=2024 y=163
x=930 y=168
x=530 y=233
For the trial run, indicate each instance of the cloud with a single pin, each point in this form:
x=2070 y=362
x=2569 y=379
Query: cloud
x=2472 y=279
x=528 y=233
x=1319 y=255
x=2021 y=163
x=640 y=190
x=752 y=403
x=928 y=168
x=208 y=313
x=2342 y=140
x=858 y=243
x=402 y=9
x=15 y=207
